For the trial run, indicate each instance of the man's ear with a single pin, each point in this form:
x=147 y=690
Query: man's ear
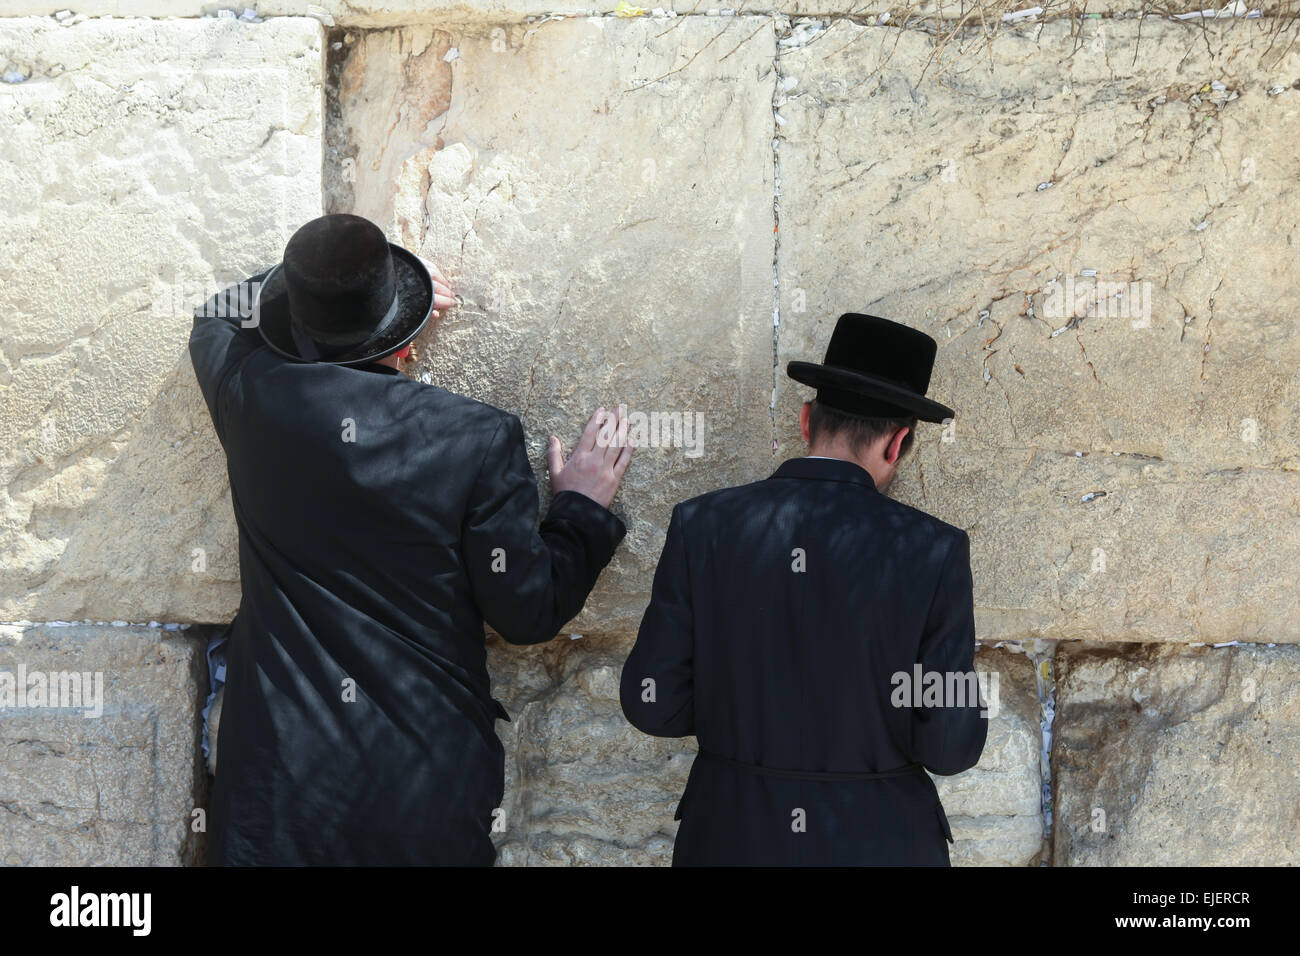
x=895 y=446
x=805 y=414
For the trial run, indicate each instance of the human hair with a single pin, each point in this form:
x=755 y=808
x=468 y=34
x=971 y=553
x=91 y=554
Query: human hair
x=860 y=433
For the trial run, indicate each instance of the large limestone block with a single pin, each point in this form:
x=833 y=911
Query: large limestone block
x=953 y=207
x=995 y=808
x=142 y=160
x=1170 y=756
x=585 y=787
x=114 y=784
x=1117 y=547
x=599 y=193
x=1208 y=736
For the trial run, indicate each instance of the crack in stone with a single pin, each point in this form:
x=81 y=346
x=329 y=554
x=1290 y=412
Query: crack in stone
x=1042 y=654
x=679 y=69
x=1209 y=333
x=1079 y=339
x=782 y=28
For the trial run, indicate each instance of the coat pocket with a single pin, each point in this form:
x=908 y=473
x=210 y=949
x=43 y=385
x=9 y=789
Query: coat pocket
x=943 y=822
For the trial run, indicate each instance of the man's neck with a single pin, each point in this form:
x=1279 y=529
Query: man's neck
x=839 y=454
x=842 y=454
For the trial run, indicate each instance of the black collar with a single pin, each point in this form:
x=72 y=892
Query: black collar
x=826 y=469
x=378 y=367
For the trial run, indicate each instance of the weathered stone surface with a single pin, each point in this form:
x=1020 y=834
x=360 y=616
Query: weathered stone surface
x=358 y=13
x=585 y=787
x=995 y=808
x=1163 y=552
x=1170 y=756
x=114 y=789
x=392 y=13
x=923 y=202
x=599 y=193
x=141 y=161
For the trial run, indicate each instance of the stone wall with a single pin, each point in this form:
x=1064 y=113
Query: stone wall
x=116 y=780
x=1092 y=212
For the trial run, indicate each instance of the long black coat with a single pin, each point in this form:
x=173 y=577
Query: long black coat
x=780 y=613
x=358 y=726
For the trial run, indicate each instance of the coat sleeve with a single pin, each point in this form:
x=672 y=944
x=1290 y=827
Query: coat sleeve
x=950 y=738
x=219 y=340
x=657 y=688
x=528 y=581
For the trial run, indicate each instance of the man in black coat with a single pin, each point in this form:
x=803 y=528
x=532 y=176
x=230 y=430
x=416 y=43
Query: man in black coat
x=795 y=625
x=381 y=521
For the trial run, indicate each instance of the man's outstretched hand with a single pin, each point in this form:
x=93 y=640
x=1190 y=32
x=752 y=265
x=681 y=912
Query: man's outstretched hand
x=442 y=297
x=597 y=465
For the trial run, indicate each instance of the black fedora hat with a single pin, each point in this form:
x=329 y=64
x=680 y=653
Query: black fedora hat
x=344 y=294
x=874 y=368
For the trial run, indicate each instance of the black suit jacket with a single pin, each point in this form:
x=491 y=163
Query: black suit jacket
x=381 y=521
x=780 y=614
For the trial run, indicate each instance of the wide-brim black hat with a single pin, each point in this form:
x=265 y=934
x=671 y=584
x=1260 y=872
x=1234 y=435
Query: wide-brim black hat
x=343 y=295
x=875 y=368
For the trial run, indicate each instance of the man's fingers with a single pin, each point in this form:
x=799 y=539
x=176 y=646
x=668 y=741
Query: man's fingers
x=554 y=456
x=621 y=463
x=616 y=436
x=442 y=297
x=607 y=437
x=588 y=440
x=433 y=271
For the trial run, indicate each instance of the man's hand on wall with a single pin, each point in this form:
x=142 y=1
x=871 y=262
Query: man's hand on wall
x=598 y=462
x=442 y=297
